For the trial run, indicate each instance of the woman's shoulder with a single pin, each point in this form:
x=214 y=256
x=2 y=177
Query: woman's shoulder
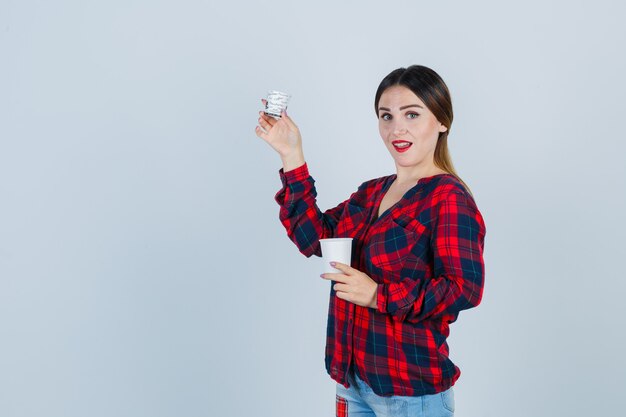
x=448 y=186
x=452 y=198
x=449 y=183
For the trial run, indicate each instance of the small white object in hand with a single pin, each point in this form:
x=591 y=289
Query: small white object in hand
x=276 y=102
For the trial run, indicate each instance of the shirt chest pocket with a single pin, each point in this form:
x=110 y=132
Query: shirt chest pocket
x=391 y=246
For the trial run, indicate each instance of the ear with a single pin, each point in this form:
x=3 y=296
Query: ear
x=442 y=128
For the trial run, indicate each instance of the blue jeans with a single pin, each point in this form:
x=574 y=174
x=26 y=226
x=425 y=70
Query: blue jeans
x=359 y=400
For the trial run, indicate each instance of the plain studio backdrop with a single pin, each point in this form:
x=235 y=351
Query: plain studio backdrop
x=143 y=267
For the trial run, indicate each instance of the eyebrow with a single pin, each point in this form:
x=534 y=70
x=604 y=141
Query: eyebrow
x=402 y=108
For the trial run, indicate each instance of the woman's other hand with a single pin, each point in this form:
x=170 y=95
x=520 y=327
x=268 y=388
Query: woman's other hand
x=282 y=135
x=353 y=285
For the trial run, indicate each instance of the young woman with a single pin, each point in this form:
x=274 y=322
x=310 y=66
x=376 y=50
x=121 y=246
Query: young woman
x=418 y=241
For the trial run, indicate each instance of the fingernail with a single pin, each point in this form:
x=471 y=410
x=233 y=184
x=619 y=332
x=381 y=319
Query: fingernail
x=322 y=275
x=332 y=264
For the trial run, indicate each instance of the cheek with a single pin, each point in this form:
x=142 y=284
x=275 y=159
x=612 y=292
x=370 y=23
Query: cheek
x=383 y=130
x=425 y=130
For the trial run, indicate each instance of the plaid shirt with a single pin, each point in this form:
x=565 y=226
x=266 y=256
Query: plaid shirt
x=426 y=255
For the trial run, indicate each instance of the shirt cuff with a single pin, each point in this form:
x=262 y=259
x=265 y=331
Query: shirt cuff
x=381 y=299
x=297 y=174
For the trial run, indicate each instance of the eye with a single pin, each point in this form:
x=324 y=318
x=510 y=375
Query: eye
x=384 y=116
x=412 y=114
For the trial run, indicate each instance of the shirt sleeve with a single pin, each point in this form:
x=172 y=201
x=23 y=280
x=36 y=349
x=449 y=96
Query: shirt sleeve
x=457 y=243
x=304 y=221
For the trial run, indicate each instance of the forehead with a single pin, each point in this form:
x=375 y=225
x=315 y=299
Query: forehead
x=398 y=95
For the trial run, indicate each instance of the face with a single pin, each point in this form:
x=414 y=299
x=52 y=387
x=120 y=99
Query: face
x=402 y=118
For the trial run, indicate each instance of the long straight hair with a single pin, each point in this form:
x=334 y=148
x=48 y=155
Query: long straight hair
x=430 y=88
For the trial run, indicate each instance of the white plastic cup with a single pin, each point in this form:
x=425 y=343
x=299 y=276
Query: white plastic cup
x=276 y=102
x=336 y=250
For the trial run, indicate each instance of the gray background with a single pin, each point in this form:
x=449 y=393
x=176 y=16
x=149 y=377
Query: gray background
x=143 y=268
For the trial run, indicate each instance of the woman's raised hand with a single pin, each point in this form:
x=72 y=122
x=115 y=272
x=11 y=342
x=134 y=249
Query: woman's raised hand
x=282 y=135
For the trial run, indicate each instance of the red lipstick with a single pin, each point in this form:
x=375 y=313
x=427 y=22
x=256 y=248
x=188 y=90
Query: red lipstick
x=403 y=145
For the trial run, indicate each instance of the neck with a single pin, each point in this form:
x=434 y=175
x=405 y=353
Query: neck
x=411 y=175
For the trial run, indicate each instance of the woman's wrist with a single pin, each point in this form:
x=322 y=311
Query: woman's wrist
x=374 y=301
x=293 y=161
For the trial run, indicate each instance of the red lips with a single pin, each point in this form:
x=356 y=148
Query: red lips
x=396 y=142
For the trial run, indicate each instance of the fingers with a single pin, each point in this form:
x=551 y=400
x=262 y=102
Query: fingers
x=342 y=267
x=260 y=132
x=266 y=121
x=344 y=296
x=266 y=124
x=283 y=116
x=343 y=276
x=267 y=117
x=335 y=276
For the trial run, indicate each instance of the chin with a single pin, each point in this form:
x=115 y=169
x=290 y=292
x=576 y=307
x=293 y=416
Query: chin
x=407 y=162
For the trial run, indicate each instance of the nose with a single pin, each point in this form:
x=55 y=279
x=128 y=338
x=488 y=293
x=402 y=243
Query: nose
x=399 y=129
